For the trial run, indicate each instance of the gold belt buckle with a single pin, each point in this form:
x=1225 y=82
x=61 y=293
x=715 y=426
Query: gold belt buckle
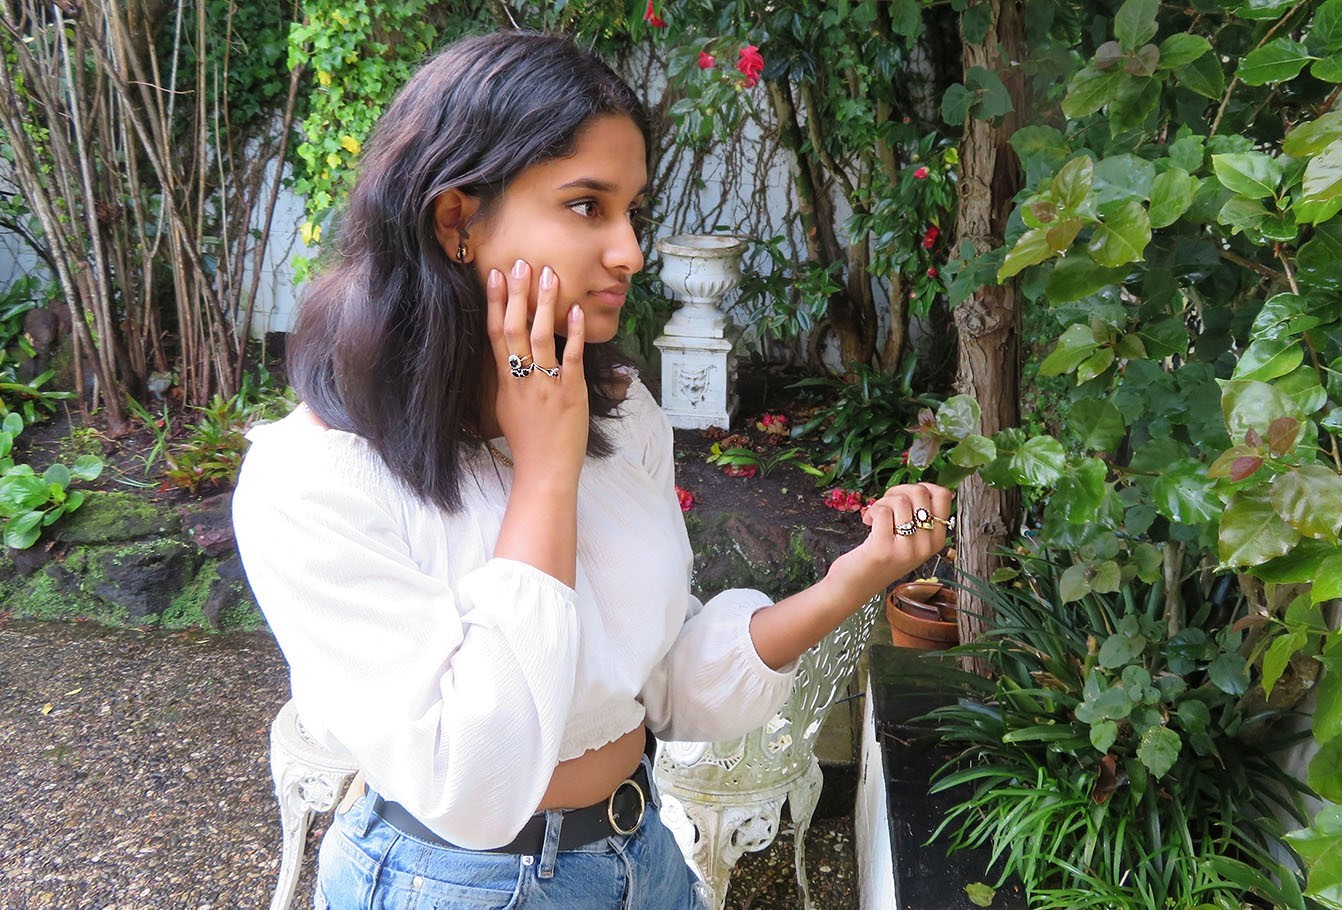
x=642 y=807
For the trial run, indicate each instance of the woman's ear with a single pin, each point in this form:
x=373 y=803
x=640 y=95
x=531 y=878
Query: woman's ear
x=452 y=211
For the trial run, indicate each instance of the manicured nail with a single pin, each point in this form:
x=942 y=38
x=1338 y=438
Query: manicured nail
x=495 y=278
x=547 y=278
x=519 y=268
x=575 y=313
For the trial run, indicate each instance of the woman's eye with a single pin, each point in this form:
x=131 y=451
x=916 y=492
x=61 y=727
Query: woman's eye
x=585 y=207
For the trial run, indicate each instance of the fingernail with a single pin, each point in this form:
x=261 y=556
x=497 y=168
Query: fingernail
x=575 y=313
x=519 y=268
x=495 y=278
x=547 y=278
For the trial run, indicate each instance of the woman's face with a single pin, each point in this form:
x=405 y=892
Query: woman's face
x=576 y=215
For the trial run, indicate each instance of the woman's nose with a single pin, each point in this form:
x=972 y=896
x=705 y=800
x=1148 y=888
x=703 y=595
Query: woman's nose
x=624 y=253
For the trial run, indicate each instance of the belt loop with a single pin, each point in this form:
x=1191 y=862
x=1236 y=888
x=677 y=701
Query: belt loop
x=654 y=792
x=554 y=823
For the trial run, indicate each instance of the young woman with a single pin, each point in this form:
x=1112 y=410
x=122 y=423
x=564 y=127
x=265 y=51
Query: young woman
x=467 y=540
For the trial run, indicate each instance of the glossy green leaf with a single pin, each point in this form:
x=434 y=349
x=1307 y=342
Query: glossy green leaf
x=1098 y=424
x=1123 y=237
x=1246 y=405
x=22 y=531
x=1278 y=655
x=1323 y=174
x=1320 y=259
x=1278 y=60
x=1203 y=76
x=1283 y=314
x=1326 y=29
x=1253 y=175
x=1326 y=724
x=1103 y=734
x=1095 y=364
x=87 y=467
x=1262 y=9
x=1077 y=276
x=1171 y=195
x=1269 y=358
x=1159 y=749
x=1325 y=771
x=1327 y=578
x=973 y=451
x=1327 y=69
x=1243 y=214
x=1075 y=345
x=1039 y=462
x=1073 y=182
x=959 y=416
x=1230 y=673
x=57 y=475
x=1120 y=649
x=1185 y=496
x=1252 y=532
x=1031 y=248
x=1309 y=499
x=1194 y=715
x=21 y=492
x=993 y=98
x=1137 y=101
x=956 y=102
x=1074 y=584
x=1314 y=136
x=1080 y=492
x=1120 y=179
x=13 y=424
x=1135 y=23
x=1181 y=49
x=1091 y=89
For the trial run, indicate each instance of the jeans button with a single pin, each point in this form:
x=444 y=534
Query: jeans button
x=418 y=882
x=528 y=860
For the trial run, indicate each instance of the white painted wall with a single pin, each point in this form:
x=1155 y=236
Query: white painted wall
x=871 y=820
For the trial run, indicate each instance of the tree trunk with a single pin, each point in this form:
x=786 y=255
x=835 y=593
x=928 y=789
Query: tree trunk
x=988 y=322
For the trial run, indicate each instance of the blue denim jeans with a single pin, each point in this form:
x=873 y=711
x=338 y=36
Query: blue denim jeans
x=366 y=864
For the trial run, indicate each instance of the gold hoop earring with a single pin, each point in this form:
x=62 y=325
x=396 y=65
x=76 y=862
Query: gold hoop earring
x=461 y=251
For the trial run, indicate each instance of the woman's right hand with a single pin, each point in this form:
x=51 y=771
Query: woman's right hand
x=544 y=417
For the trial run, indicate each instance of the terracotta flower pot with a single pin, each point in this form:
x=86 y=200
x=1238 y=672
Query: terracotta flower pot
x=922 y=616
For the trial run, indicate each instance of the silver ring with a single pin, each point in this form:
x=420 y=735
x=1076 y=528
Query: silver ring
x=552 y=372
x=905 y=530
x=518 y=366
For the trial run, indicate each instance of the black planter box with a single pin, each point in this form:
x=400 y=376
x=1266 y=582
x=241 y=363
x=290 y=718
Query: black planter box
x=904 y=685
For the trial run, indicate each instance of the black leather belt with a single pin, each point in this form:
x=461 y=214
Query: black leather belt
x=621 y=813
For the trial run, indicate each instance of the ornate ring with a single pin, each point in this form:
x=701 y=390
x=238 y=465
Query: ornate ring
x=923 y=519
x=552 y=372
x=905 y=530
x=518 y=366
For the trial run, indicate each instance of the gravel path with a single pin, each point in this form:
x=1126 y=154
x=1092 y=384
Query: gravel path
x=137 y=778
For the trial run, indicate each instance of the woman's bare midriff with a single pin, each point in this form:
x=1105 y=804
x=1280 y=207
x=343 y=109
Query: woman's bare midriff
x=593 y=776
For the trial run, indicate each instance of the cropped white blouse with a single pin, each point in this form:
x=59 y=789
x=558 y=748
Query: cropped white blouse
x=457 y=680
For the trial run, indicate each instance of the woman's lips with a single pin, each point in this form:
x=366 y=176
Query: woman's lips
x=613 y=297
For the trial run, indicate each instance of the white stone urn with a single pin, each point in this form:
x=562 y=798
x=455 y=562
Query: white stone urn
x=700 y=269
x=698 y=369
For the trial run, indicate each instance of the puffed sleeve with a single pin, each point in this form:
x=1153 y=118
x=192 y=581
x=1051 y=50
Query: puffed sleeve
x=711 y=684
x=451 y=695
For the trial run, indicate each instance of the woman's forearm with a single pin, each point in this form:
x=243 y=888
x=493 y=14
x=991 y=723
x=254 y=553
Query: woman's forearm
x=540 y=525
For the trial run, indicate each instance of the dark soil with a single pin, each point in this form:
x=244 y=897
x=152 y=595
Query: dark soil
x=136 y=461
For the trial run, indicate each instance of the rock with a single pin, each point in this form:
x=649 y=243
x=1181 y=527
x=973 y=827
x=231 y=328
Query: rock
x=114 y=518
x=209 y=524
x=135 y=578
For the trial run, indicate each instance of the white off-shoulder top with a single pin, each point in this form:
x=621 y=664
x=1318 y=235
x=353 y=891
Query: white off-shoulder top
x=457 y=680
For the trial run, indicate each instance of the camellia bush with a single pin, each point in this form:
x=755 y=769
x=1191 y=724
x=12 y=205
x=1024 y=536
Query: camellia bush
x=1179 y=229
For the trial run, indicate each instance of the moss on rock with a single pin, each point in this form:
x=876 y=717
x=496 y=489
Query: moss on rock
x=115 y=517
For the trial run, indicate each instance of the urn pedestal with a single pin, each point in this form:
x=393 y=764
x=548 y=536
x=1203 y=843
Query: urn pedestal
x=698 y=368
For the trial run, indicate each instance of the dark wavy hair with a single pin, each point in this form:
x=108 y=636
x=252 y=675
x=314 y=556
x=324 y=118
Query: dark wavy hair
x=390 y=340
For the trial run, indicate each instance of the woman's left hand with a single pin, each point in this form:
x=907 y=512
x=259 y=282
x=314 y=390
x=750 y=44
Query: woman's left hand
x=908 y=526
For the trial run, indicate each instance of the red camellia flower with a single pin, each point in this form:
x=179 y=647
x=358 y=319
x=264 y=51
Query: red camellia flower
x=773 y=424
x=932 y=273
x=686 y=499
x=650 y=16
x=740 y=470
x=706 y=60
x=751 y=64
x=931 y=237
x=920 y=174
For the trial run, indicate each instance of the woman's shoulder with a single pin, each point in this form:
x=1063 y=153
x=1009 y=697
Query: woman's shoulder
x=298 y=452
